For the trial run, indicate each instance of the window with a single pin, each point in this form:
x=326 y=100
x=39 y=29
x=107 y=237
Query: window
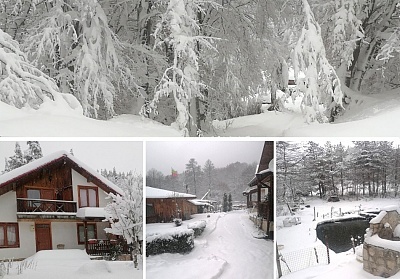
x=9 y=237
x=150 y=210
x=88 y=196
x=91 y=232
x=33 y=194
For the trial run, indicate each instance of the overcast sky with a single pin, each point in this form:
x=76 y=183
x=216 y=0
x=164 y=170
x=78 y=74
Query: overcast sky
x=164 y=155
x=122 y=155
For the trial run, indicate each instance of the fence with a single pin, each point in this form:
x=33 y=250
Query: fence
x=301 y=259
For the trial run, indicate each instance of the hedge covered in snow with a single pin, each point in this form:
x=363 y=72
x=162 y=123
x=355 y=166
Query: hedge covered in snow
x=198 y=227
x=179 y=241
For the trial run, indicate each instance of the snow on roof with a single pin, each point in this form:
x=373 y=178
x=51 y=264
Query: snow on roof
x=249 y=189
x=199 y=202
x=90 y=212
x=37 y=164
x=156 y=193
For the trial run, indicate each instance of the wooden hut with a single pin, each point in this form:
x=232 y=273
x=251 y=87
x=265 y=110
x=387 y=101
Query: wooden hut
x=163 y=205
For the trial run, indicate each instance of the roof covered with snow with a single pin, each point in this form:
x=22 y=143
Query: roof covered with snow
x=21 y=172
x=156 y=193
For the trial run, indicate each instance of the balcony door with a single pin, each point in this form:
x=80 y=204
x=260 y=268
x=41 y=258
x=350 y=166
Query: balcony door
x=41 y=194
x=43 y=237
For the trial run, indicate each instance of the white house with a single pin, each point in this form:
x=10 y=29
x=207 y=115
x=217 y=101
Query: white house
x=39 y=203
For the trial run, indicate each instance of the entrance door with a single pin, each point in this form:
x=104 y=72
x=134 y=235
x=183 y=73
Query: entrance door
x=43 y=237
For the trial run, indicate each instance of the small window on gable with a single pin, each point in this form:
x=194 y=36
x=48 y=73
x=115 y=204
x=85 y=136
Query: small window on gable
x=88 y=196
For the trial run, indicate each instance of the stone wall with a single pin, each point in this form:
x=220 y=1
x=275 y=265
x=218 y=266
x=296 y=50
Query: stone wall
x=377 y=260
x=380 y=261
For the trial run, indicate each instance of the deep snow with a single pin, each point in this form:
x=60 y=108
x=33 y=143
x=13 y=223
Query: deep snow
x=301 y=236
x=74 y=263
x=226 y=249
x=368 y=115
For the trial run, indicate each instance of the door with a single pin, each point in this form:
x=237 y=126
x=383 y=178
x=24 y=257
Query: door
x=43 y=237
x=47 y=194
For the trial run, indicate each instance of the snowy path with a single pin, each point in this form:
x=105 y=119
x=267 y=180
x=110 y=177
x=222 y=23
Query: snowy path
x=226 y=249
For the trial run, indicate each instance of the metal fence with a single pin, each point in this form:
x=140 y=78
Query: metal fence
x=301 y=259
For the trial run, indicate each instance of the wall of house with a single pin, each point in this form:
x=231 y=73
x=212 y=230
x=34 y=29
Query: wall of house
x=78 y=179
x=26 y=240
x=165 y=209
x=8 y=212
x=65 y=233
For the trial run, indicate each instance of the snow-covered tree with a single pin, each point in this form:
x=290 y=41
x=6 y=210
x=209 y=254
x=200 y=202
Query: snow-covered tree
x=33 y=152
x=125 y=214
x=21 y=84
x=17 y=160
x=193 y=173
x=178 y=33
x=74 y=43
x=323 y=95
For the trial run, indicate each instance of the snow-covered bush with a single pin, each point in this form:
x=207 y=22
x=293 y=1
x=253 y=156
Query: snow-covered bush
x=178 y=222
x=180 y=241
x=198 y=227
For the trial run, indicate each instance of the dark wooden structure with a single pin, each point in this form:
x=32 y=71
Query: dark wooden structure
x=165 y=209
x=264 y=179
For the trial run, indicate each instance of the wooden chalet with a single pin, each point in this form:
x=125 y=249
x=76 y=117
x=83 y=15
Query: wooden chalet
x=163 y=205
x=260 y=191
x=39 y=203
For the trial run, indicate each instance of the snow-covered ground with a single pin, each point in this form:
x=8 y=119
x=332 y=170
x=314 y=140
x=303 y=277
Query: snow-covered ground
x=303 y=236
x=226 y=249
x=66 y=264
x=370 y=115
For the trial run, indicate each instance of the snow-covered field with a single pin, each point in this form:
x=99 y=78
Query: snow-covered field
x=66 y=264
x=371 y=115
x=302 y=236
x=226 y=249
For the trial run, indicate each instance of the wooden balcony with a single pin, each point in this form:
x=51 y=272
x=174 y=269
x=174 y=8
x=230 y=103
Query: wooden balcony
x=42 y=206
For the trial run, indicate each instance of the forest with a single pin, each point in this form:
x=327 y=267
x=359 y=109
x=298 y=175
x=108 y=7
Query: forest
x=354 y=169
x=189 y=62
x=199 y=180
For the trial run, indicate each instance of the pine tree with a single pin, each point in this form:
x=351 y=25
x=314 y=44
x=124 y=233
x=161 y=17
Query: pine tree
x=230 y=202
x=193 y=173
x=225 y=203
x=33 y=152
x=16 y=160
x=209 y=170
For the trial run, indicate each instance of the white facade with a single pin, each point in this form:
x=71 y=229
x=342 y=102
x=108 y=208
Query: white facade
x=79 y=180
x=8 y=209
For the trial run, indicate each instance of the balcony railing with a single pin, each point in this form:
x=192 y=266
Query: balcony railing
x=49 y=206
x=99 y=247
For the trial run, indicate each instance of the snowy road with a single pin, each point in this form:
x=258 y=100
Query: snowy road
x=226 y=249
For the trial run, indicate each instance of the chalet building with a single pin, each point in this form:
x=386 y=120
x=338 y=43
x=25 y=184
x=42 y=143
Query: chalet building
x=163 y=205
x=260 y=191
x=45 y=205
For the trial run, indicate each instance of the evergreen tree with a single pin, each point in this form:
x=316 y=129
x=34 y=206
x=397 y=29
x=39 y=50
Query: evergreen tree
x=225 y=203
x=33 y=152
x=193 y=173
x=17 y=160
x=209 y=170
x=229 y=202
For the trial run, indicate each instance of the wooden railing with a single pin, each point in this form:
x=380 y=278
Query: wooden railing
x=50 y=206
x=100 y=247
